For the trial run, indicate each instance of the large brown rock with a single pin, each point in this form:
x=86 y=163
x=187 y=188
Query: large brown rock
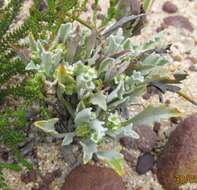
x=177 y=164
x=87 y=177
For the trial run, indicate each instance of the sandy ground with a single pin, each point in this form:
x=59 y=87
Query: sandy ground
x=183 y=55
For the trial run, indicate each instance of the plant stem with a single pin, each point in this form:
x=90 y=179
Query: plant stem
x=66 y=104
x=91 y=27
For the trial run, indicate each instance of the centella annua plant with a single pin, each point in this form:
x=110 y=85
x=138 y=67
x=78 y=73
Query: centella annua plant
x=97 y=77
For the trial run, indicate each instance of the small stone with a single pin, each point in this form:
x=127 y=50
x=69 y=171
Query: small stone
x=89 y=177
x=28 y=177
x=169 y=7
x=128 y=156
x=145 y=163
x=148 y=138
x=177 y=57
x=193 y=68
x=179 y=22
x=127 y=142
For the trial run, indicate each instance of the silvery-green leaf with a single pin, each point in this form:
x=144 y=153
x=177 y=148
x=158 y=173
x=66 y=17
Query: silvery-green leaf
x=153 y=42
x=136 y=92
x=152 y=114
x=99 y=99
x=119 y=37
x=57 y=57
x=92 y=60
x=100 y=130
x=64 y=32
x=128 y=44
x=113 y=159
x=68 y=139
x=46 y=61
x=113 y=46
x=105 y=64
x=39 y=47
x=118 y=103
x=154 y=59
x=78 y=68
x=127 y=132
x=31 y=66
x=83 y=116
x=89 y=149
x=47 y=126
x=117 y=92
x=158 y=74
x=143 y=68
x=138 y=76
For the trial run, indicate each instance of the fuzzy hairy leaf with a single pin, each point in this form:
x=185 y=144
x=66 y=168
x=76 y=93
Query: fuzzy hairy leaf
x=68 y=139
x=31 y=66
x=128 y=132
x=88 y=150
x=118 y=92
x=105 y=64
x=114 y=160
x=64 y=32
x=83 y=116
x=99 y=130
x=100 y=100
x=152 y=114
x=47 y=126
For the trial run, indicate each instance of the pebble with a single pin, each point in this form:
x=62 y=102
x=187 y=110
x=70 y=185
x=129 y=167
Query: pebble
x=127 y=142
x=193 y=68
x=145 y=163
x=128 y=156
x=148 y=138
x=178 y=21
x=169 y=7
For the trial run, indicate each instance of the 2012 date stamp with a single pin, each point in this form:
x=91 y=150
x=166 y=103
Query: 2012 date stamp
x=182 y=179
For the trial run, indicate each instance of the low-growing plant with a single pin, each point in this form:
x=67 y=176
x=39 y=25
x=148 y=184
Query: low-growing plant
x=97 y=76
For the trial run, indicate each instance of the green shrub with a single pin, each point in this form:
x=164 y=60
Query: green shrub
x=97 y=75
